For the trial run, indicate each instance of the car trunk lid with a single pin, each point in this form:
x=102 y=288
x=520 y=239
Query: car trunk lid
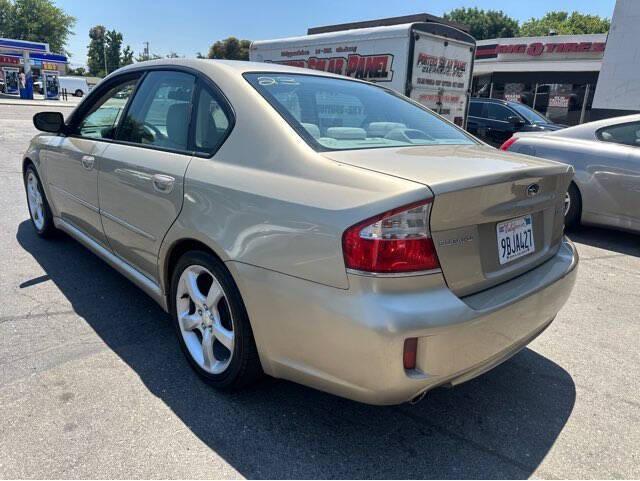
x=476 y=188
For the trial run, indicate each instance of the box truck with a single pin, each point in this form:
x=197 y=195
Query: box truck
x=420 y=56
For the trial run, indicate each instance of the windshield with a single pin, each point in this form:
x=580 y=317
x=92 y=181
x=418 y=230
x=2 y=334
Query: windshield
x=336 y=114
x=529 y=114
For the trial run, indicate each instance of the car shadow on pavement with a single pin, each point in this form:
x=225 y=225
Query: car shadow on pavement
x=500 y=425
x=620 y=242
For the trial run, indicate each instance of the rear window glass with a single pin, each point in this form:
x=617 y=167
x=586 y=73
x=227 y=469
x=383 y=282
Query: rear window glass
x=336 y=114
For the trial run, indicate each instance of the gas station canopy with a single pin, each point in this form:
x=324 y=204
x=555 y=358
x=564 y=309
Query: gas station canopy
x=16 y=52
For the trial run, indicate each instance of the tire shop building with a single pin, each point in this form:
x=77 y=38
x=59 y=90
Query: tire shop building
x=556 y=75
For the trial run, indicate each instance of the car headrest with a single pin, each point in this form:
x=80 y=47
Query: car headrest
x=380 y=129
x=178 y=124
x=346 y=133
x=313 y=130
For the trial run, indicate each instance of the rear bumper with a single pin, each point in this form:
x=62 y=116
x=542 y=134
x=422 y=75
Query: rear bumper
x=350 y=342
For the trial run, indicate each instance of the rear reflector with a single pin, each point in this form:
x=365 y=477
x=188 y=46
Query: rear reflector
x=508 y=143
x=395 y=241
x=410 y=353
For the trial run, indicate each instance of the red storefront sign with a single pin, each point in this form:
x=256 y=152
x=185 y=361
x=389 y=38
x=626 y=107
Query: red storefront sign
x=538 y=49
x=5 y=59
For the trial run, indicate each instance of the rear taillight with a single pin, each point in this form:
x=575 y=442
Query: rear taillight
x=395 y=241
x=508 y=143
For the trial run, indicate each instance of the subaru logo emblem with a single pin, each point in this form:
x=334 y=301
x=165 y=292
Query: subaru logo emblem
x=533 y=190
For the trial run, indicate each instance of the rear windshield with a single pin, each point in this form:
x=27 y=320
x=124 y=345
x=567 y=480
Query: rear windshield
x=336 y=114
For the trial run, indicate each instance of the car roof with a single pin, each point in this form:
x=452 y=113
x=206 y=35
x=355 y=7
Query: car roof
x=493 y=101
x=212 y=66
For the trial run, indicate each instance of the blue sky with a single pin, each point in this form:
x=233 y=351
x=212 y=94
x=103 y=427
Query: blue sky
x=189 y=26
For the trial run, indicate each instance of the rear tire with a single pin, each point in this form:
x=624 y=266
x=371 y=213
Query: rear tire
x=211 y=322
x=78 y=93
x=39 y=210
x=573 y=210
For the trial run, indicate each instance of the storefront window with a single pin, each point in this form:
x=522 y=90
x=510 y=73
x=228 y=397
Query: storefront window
x=562 y=103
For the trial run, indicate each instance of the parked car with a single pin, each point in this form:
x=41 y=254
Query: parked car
x=321 y=229
x=495 y=120
x=76 y=86
x=606 y=157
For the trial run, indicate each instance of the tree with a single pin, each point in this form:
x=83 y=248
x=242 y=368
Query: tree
x=563 y=23
x=127 y=56
x=37 y=21
x=484 y=24
x=96 y=53
x=113 y=45
x=172 y=55
x=230 y=48
x=78 y=71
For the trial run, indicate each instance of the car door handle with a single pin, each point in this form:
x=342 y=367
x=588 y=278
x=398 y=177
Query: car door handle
x=88 y=162
x=163 y=183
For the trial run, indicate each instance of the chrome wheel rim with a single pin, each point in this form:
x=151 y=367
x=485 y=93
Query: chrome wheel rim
x=205 y=319
x=567 y=203
x=34 y=197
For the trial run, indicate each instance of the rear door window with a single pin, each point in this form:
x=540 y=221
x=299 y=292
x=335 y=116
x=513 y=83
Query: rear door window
x=160 y=112
x=212 y=122
x=498 y=112
x=475 y=109
x=625 y=134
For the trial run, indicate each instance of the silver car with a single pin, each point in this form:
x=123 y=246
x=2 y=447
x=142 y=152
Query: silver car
x=606 y=158
x=312 y=227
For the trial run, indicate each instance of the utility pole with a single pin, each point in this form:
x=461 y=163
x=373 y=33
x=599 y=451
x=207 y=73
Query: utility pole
x=104 y=51
x=146 y=50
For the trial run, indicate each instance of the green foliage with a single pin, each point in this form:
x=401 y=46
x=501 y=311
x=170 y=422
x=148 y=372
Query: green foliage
x=78 y=72
x=127 y=56
x=231 y=49
x=37 y=21
x=484 y=24
x=113 y=44
x=105 y=48
x=564 y=23
x=96 y=50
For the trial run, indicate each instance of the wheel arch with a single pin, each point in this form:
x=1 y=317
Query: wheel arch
x=174 y=251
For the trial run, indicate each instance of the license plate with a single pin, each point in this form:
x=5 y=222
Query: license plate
x=515 y=239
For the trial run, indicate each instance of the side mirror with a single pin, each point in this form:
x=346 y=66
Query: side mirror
x=516 y=121
x=52 y=122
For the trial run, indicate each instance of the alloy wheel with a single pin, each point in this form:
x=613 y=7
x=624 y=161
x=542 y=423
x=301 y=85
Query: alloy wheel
x=205 y=319
x=567 y=203
x=36 y=203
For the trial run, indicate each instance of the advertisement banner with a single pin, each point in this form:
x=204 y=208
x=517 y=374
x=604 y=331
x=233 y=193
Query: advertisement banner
x=370 y=57
x=441 y=76
x=51 y=85
x=11 y=80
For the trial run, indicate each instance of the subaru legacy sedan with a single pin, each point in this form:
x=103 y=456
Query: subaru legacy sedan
x=307 y=226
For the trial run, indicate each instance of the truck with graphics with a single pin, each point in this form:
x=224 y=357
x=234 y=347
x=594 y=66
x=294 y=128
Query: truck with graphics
x=420 y=56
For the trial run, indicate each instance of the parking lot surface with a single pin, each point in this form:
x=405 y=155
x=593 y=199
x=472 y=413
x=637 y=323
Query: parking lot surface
x=93 y=384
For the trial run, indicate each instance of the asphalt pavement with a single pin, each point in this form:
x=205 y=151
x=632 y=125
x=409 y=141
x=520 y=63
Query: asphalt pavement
x=93 y=384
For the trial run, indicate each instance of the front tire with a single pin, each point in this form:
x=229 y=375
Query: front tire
x=573 y=207
x=39 y=210
x=78 y=93
x=211 y=322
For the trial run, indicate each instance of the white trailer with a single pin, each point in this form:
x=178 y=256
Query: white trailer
x=428 y=61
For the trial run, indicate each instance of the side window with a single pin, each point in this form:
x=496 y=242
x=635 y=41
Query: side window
x=102 y=118
x=212 y=122
x=498 y=112
x=475 y=109
x=160 y=112
x=626 y=134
